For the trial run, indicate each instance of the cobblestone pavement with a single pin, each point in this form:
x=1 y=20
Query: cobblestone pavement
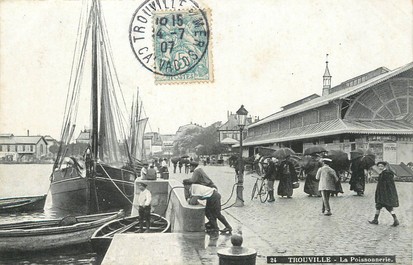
x=297 y=227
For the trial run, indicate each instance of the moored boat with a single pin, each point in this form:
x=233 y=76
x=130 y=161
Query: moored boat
x=22 y=204
x=54 y=233
x=100 y=177
x=103 y=236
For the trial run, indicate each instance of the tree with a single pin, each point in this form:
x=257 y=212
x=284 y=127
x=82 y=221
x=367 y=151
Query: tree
x=205 y=142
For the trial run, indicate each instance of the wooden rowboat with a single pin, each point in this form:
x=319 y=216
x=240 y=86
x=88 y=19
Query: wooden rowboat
x=102 y=237
x=22 y=204
x=55 y=233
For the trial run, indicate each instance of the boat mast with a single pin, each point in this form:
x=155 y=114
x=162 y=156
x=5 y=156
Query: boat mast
x=93 y=198
x=95 y=118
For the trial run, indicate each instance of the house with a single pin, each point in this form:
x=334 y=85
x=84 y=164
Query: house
x=22 y=148
x=153 y=143
x=84 y=137
x=229 y=132
x=167 y=143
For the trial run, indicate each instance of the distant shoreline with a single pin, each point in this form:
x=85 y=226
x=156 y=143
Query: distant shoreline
x=29 y=162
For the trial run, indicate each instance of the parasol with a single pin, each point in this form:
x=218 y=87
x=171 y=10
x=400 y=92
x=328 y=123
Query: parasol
x=340 y=160
x=314 y=150
x=184 y=161
x=283 y=153
x=363 y=158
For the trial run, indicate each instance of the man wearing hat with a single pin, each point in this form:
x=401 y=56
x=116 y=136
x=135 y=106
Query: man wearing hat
x=386 y=193
x=144 y=204
x=327 y=183
x=195 y=192
x=144 y=171
x=199 y=176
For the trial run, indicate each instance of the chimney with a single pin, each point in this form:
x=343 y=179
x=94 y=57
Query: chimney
x=227 y=114
x=326 y=80
x=28 y=133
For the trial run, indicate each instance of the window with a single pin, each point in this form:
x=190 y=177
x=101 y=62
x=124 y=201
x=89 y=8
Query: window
x=1 y=148
x=24 y=148
x=8 y=148
x=41 y=149
x=31 y=148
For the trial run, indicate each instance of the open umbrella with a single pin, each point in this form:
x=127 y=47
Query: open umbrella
x=363 y=158
x=283 y=153
x=175 y=159
x=359 y=153
x=314 y=150
x=339 y=159
x=365 y=161
x=185 y=156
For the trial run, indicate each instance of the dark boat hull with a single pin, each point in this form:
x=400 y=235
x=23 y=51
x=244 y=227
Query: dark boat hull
x=70 y=191
x=50 y=234
x=22 y=204
x=102 y=237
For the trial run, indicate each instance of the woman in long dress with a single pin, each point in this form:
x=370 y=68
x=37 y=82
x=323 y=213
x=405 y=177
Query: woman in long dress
x=358 y=178
x=310 y=169
x=287 y=175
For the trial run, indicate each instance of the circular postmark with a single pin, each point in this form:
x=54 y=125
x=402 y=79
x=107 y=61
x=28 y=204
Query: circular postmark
x=169 y=37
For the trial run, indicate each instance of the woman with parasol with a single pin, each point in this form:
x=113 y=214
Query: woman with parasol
x=286 y=172
x=310 y=164
x=360 y=161
x=386 y=193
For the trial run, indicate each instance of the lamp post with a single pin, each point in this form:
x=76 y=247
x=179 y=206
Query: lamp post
x=242 y=119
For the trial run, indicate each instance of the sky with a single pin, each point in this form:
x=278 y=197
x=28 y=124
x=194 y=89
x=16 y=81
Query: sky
x=265 y=53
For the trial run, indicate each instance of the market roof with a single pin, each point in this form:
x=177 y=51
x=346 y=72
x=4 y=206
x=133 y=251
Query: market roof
x=333 y=127
x=341 y=94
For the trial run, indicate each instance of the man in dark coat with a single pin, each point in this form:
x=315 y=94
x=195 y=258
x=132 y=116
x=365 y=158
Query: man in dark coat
x=386 y=194
x=194 y=192
x=199 y=176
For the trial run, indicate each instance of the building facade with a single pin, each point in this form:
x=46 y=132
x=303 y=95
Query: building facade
x=373 y=110
x=22 y=148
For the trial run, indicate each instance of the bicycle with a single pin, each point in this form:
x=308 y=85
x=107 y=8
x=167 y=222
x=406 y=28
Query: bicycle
x=260 y=189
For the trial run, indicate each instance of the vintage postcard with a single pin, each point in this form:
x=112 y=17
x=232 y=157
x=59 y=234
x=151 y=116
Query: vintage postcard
x=206 y=132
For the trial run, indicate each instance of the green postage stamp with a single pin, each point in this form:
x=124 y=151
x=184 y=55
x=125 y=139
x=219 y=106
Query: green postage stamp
x=181 y=46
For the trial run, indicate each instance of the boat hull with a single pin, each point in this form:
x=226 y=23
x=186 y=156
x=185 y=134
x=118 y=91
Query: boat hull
x=22 y=204
x=114 y=189
x=54 y=235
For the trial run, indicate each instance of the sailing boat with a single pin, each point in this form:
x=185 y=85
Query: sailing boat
x=137 y=131
x=101 y=179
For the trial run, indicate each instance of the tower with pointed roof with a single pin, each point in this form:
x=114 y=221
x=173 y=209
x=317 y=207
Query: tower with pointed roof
x=326 y=79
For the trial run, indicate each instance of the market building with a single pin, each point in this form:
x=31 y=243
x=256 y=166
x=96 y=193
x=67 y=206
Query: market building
x=373 y=110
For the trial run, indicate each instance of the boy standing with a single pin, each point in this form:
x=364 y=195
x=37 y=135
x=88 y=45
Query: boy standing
x=144 y=203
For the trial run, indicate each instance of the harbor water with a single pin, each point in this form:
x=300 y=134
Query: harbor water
x=31 y=180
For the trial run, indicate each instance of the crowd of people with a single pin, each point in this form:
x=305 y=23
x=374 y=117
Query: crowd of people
x=321 y=180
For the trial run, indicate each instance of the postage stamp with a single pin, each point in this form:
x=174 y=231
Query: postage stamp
x=172 y=39
x=181 y=44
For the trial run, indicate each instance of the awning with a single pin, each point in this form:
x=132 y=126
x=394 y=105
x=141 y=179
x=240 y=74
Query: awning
x=229 y=141
x=333 y=127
